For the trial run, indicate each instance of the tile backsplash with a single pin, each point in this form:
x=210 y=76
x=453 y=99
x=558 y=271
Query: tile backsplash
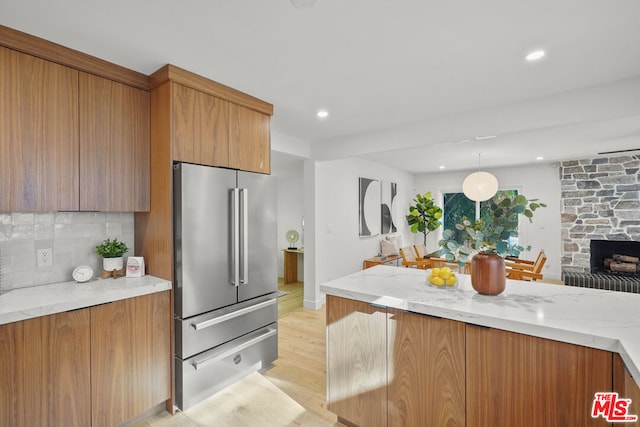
x=72 y=236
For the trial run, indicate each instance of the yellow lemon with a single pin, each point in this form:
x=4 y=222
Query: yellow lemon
x=447 y=269
x=451 y=280
x=444 y=274
x=431 y=277
x=438 y=281
x=435 y=271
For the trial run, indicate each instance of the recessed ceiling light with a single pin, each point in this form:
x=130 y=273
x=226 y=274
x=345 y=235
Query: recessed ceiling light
x=535 y=55
x=480 y=138
x=322 y=114
x=441 y=166
x=539 y=158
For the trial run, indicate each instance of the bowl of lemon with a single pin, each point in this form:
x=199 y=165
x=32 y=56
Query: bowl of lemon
x=442 y=278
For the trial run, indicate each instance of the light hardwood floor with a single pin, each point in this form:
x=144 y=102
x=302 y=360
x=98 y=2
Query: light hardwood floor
x=290 y=393
x=294 y=298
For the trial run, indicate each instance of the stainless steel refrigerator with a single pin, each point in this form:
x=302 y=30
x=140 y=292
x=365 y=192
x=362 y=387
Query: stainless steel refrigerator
x=225 y=278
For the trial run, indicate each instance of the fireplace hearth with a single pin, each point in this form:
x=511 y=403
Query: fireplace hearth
x=601 y=277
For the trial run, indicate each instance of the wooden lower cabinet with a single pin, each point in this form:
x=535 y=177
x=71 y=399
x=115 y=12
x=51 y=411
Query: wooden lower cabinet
x=130 y=357
x=442 y=372
x=357 y=361
x=626 y=386
x=45 y=371
x=520 y=380
x=426 y=377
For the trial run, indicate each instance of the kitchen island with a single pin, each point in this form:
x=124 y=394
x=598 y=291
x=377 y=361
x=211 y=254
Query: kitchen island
x=400 y=350
x=85 y=354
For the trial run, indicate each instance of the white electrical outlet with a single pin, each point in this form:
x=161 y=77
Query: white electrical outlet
x=45 y=257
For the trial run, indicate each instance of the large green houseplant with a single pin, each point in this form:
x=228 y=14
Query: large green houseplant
x=424 y=216
x=489 y=236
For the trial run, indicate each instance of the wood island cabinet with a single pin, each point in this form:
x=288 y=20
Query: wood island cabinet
x=45 y=371
x=426 y=383
x=515 y=379
x=38 y=134
x=445 y=372
x=357 y=361
x=114 y=146
x=130 y=357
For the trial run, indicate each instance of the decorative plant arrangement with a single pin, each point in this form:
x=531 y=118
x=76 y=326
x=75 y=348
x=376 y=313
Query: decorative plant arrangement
x=489 y=238
x=112 y=252
x=424 y=216
x=111 y=248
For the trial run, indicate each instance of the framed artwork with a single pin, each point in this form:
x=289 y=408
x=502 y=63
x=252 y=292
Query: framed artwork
x=389 y=190
x=369 y=207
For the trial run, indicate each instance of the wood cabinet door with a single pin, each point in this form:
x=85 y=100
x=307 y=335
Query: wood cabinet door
x=249 y=140
x=520 y=380
x=66 y=368
x=200 y=127
x=44 y=374
x=20 y=370
x=626 y=386
x=426 y=376
x=38 y=134
x=356 y=361
x=114 y=146
x=130 y=357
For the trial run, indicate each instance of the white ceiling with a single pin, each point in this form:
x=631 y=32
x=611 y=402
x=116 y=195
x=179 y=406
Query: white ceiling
x=405 y=81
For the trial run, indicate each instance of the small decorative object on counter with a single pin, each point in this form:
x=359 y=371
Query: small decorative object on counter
x=112 y=252
x=135 y=266
x=82 y=274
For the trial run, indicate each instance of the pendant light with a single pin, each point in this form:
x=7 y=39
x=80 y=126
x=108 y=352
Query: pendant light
x=480 y=186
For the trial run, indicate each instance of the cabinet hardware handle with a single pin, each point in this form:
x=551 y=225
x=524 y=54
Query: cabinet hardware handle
x=232 y=315
x=199 y=364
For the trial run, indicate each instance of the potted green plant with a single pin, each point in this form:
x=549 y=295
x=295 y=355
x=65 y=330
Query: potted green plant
x=112 y=252
x=424 y=216
x=488 y=239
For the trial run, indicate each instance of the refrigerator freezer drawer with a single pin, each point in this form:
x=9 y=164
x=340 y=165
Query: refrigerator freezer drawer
x=200 y=333
x=205 y=374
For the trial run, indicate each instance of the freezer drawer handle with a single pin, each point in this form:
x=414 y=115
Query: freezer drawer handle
x=232 y=315
x=199 y=364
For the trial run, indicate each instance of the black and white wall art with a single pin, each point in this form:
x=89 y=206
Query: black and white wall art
x=369 y=207
x=389 y=190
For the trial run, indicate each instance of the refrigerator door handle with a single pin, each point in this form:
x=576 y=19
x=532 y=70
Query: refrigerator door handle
x=244 y=236
x=235 y=238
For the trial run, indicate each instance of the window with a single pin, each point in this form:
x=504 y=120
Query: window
x=457 y=206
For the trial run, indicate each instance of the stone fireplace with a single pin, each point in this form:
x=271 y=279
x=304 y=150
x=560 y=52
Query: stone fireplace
x=600 y=201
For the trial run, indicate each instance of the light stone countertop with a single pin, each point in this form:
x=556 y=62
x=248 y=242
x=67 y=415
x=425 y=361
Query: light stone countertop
x=36 y=301
x=593 y=318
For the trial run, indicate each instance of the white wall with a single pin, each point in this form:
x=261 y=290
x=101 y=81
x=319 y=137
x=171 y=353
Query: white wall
x=539 y=181
x=340 y=251
x=290 y=213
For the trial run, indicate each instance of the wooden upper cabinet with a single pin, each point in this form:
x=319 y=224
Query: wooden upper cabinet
x=38 y=134
x=249 y=140
x=200 y=127
x=114 y=146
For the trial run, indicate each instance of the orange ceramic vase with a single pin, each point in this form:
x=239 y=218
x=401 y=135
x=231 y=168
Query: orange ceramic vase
x=488 y=276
